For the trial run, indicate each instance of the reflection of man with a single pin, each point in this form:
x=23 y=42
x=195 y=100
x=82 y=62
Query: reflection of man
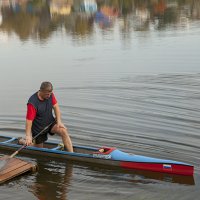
x=39 y=115
x=52 y=183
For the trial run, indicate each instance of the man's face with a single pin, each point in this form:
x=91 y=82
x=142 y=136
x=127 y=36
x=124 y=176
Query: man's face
x=45 y=94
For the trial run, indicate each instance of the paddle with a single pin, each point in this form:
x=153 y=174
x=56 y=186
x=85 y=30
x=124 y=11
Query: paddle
x=3 y=162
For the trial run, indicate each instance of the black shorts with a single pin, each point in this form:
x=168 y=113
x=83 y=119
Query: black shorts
x=44 y=136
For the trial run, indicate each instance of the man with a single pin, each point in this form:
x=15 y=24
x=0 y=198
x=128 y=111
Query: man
x=39 y=115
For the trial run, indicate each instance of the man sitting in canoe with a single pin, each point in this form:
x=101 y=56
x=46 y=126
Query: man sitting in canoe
x=39 y=115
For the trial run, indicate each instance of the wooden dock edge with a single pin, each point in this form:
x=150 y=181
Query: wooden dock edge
x=15 y=167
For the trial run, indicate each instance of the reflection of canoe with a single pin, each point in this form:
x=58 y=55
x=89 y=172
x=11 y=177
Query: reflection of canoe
x=109 y=157
x=142 y=176
x=172 y=178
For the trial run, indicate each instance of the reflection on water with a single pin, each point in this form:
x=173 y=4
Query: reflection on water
x=52 y=180
x=38 y=19
x=150 y=177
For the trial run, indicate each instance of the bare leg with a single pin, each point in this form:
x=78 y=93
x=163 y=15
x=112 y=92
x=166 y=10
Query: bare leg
x=65 y=136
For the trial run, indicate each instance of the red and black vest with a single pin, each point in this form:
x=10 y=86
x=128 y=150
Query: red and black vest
x=44 y=115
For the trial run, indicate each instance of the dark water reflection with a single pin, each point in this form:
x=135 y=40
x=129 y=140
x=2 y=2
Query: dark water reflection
x=55 y=187
x=126 y=74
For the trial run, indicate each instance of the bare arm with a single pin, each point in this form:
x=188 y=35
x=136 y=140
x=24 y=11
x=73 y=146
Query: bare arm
x=28 y=132
x=57 y=112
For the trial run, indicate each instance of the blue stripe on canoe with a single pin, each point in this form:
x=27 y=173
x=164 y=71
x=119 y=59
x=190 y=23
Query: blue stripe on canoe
x=10 y=140
x=53 y=151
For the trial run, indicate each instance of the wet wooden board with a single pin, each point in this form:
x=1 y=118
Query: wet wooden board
x=14 y=167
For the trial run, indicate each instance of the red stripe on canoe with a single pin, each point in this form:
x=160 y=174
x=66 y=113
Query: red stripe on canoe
x=158 y=167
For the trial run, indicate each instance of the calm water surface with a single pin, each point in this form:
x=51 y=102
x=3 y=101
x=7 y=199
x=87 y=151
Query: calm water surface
x=126 y=74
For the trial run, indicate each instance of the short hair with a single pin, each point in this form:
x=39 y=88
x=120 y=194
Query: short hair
x=46 y=86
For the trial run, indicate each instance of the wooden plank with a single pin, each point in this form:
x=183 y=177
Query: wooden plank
x=14 y=167
x=11 y=165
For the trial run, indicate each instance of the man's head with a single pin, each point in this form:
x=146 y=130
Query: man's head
x=46 y=89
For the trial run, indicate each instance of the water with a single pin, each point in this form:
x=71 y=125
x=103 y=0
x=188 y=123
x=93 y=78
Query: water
x=130 y=80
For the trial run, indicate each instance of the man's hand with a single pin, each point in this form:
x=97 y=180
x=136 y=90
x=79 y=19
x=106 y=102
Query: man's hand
x=60 y=124
x=29 y=140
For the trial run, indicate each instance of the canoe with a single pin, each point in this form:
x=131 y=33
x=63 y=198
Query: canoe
x=107 y=156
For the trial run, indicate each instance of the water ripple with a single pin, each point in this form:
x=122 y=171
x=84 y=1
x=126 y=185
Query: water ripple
x=155 y=115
